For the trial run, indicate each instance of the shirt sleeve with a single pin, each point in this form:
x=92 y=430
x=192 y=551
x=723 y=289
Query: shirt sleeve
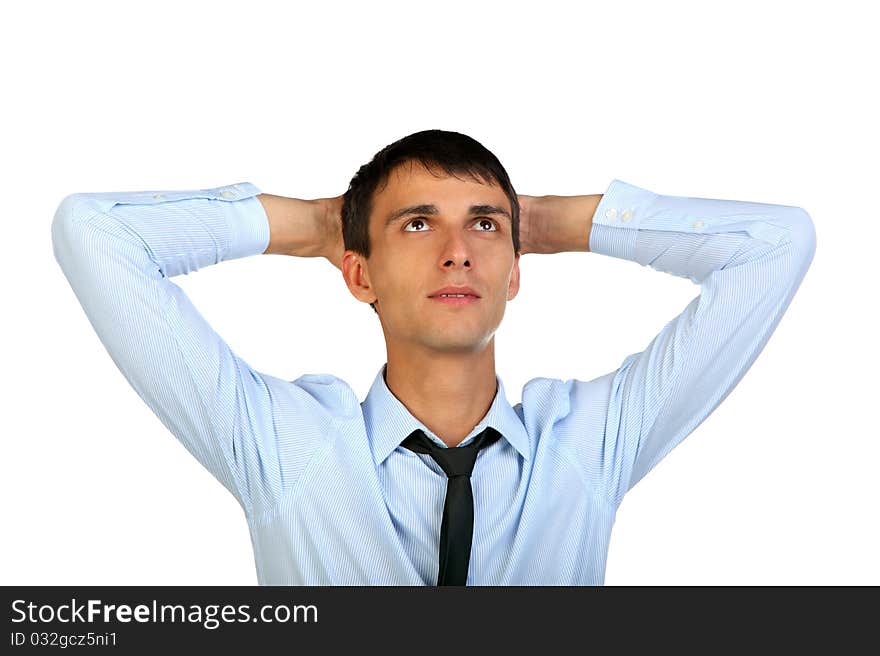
x=119 y=251
x=748 y=258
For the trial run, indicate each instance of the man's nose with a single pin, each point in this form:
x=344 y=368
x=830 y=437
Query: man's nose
x=457 y=252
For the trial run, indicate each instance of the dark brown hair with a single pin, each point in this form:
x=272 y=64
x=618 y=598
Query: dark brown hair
x=453 y=153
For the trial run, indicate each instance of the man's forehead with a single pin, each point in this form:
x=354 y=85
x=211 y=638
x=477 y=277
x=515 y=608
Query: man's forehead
x=414 y=173
x=412 y=187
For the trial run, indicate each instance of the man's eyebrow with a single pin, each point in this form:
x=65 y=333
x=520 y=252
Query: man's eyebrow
x=432 y=210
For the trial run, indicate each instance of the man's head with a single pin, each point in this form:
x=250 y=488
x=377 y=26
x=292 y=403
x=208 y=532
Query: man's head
x=469 y=237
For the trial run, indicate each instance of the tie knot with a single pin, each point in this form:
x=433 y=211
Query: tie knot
x=455 y=461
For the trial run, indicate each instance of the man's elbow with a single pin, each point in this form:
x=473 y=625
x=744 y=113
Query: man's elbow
x=803 y=237
x=67 y=215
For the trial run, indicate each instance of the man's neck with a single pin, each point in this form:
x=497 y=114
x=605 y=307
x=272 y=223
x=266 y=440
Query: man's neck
x=449 y=395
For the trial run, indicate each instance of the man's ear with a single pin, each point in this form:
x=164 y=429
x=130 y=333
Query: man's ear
x=357 y=277
x=513 y=288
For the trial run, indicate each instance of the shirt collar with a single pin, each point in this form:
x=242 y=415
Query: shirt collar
x=389 y=422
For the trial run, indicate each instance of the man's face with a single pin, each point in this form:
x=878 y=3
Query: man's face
x=418 y=253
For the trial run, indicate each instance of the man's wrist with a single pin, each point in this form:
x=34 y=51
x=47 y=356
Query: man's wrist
x=295 y=226
x=562 y=224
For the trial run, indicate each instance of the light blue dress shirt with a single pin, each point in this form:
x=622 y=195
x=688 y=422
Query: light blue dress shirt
x=330 y=496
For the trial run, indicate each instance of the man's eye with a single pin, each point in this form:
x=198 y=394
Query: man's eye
x=414 y=221
x=479 y=222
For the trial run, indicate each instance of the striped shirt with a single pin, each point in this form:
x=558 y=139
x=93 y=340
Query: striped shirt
x=330 y=496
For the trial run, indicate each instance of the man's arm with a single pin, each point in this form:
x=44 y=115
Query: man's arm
x=556 y=224
x=749 y=260
x=119 y=251
x=304 y=228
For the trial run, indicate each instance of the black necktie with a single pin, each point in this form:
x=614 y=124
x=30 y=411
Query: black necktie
x=457 y=529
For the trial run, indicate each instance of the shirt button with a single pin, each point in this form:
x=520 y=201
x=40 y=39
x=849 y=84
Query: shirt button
x=698 y=225
x=226 y=193
x=157 y=196
x=626 y=216
x=611 y=213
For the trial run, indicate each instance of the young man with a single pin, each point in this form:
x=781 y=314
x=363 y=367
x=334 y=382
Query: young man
x=434 y=479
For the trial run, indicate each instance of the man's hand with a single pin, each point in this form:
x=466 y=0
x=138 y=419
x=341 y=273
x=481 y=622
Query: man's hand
x=528 y=227
x=556 y=224
x=297 y=227
x=334 y=247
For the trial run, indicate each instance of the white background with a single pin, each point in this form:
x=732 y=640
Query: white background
x=762 y=101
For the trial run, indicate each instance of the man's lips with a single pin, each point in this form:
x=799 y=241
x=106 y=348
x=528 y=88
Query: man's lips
x=455 y=290
x=456 y=300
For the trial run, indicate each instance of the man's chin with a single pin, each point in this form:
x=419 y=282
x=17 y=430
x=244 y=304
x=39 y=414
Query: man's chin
x=447 y=342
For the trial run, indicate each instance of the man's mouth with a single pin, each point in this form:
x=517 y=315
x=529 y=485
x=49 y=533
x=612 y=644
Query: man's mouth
x=456 y=299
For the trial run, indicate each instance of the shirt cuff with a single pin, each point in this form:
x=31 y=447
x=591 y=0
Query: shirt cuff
x=248 y=223
x=617 y=218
